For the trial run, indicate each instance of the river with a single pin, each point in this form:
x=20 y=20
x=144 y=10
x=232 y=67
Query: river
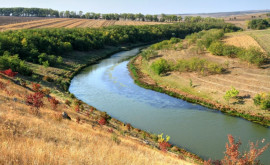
x=109 y=87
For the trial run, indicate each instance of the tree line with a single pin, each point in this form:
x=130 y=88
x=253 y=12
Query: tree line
x=39 y=12
x=48 y=46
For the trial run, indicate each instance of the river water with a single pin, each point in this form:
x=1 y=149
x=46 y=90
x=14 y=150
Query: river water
x=109 y=87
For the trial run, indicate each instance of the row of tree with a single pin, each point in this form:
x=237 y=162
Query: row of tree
x=30 y=44
x=28 y=12
x=38 y=12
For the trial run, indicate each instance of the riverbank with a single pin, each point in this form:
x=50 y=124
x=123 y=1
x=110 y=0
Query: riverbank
x=140 y=73
x=84 y=118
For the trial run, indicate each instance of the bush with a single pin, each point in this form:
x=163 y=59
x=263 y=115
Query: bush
x=198 y=65
x=252 y=55
x=232 y=93
x=262 y=100
x=149 y=53
x=160 y=66
x=216 y=48
x=15 y=63
x=258 y=24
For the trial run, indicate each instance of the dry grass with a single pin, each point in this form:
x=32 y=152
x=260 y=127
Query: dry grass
x=248 y=79
x=70 y=23
x=29 y=139
x=242 y=40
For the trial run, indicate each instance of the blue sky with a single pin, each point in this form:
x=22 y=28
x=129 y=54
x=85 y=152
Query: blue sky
x=143 y=6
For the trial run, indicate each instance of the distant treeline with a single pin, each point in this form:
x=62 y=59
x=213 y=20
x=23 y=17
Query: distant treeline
x=259 y=24
x=39 y=12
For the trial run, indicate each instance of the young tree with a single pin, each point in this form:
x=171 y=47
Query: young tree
x=230 y=94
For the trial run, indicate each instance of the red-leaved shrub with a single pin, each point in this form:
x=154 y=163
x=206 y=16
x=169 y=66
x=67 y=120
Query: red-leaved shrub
x=35 y=100
x=36 y=87
x=102 y=121
x=164 y=146
x=54 y=103
x=9 y=73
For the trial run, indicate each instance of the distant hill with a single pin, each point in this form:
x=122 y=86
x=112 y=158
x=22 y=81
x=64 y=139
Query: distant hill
x=227 y=14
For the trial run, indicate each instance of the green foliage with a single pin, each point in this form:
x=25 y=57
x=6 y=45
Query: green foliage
x=252 y=55
x=49 y=60
x=262 y=100
x=149 y=53
x=160 y=66
x=198 y=65
x=166 y=44
x=259 y=24
x=161 y=139
x=232 y=93
x=216 y=48
x=8 y=61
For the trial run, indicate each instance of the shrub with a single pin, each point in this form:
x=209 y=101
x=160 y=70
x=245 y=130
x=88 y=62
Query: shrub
x=36 y=87
x=14 y=63
x=149 y=53
x=232 y=93
x=102 y=121
x=198 y=65
x=9 y=73
x=234 y=156
x=163 y=143
x=35 y=100
x=47 y=78
x=160 y=66
x=216 y=48
x=252 y=55
x=262 y=100
x=54 y=103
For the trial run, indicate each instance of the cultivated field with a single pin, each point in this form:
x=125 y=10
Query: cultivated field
x=5 y=20
x=241 y=20
x=69 y=23
x=259 y=38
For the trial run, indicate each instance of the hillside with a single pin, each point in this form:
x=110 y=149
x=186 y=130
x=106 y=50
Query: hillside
x=46 y=138
x=209 y=87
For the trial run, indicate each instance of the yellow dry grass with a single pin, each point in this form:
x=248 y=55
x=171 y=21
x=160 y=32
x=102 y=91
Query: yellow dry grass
x=70 y=23
x=29 y=139
x=243 y=40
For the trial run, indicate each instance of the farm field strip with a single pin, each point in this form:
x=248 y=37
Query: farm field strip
x=10 y=26
x=62 y=24
x=70 y=23
x=77 y=24
x=32 y=26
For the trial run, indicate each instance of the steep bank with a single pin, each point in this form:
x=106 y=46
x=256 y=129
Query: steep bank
x=17 y=118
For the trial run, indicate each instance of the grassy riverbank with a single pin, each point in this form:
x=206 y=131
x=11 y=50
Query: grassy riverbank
x=203 y=87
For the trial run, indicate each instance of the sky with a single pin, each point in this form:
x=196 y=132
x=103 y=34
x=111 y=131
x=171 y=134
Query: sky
x=143 y=6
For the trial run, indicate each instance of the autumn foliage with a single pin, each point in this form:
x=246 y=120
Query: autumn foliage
x=102 y=121
x=9 y=73
x=36 y=87
x=234 y=157
x=35 y=100
x=54 y=103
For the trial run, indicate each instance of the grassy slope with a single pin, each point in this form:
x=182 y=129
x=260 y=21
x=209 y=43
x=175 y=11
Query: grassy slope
x=213 y=88
x=26 y=138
